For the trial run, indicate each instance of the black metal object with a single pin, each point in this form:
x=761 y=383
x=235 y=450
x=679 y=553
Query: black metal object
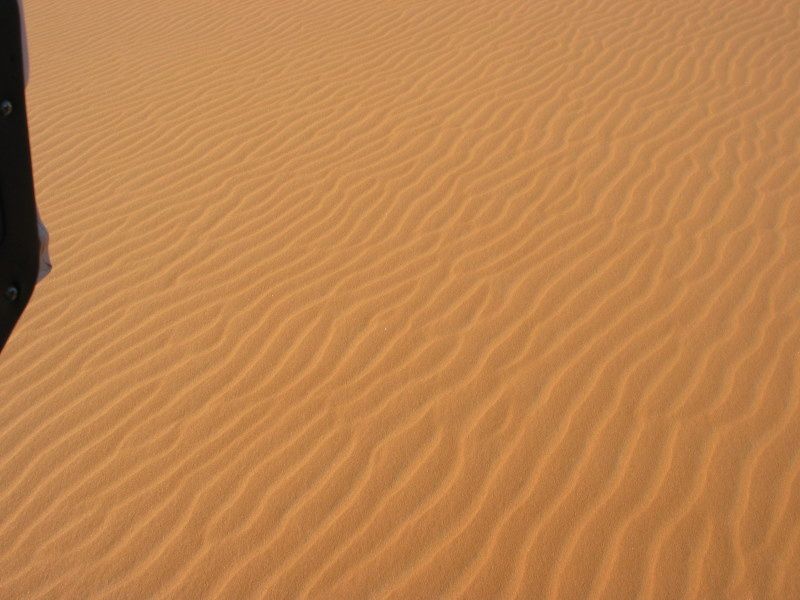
x=19 y=241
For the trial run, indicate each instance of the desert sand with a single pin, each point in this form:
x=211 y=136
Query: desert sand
x=405 y=299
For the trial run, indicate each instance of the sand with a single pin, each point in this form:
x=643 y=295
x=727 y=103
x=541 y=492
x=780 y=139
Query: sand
x=441 y=299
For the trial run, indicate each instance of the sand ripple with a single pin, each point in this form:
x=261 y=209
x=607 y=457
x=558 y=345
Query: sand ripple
x=354 y=299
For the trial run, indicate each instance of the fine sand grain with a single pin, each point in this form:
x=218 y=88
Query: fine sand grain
x=411 y=299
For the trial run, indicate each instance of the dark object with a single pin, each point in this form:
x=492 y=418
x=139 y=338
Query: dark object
x=19 y=242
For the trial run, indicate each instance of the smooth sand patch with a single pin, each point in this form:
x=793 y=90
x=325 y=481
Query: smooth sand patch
x=409 y=299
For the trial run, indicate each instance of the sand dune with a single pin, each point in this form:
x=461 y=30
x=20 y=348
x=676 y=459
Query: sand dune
x=468 y=299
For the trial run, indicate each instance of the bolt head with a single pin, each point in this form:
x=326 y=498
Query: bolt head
x=11 y=293
x=6 y=108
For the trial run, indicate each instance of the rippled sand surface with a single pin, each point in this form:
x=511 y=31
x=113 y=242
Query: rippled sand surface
x=409 y=299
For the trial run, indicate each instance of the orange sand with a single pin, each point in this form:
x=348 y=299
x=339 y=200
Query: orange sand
x=409 y=299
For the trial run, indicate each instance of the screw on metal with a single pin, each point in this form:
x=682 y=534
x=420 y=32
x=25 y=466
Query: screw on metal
x=11 y=293
x=6 y=108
